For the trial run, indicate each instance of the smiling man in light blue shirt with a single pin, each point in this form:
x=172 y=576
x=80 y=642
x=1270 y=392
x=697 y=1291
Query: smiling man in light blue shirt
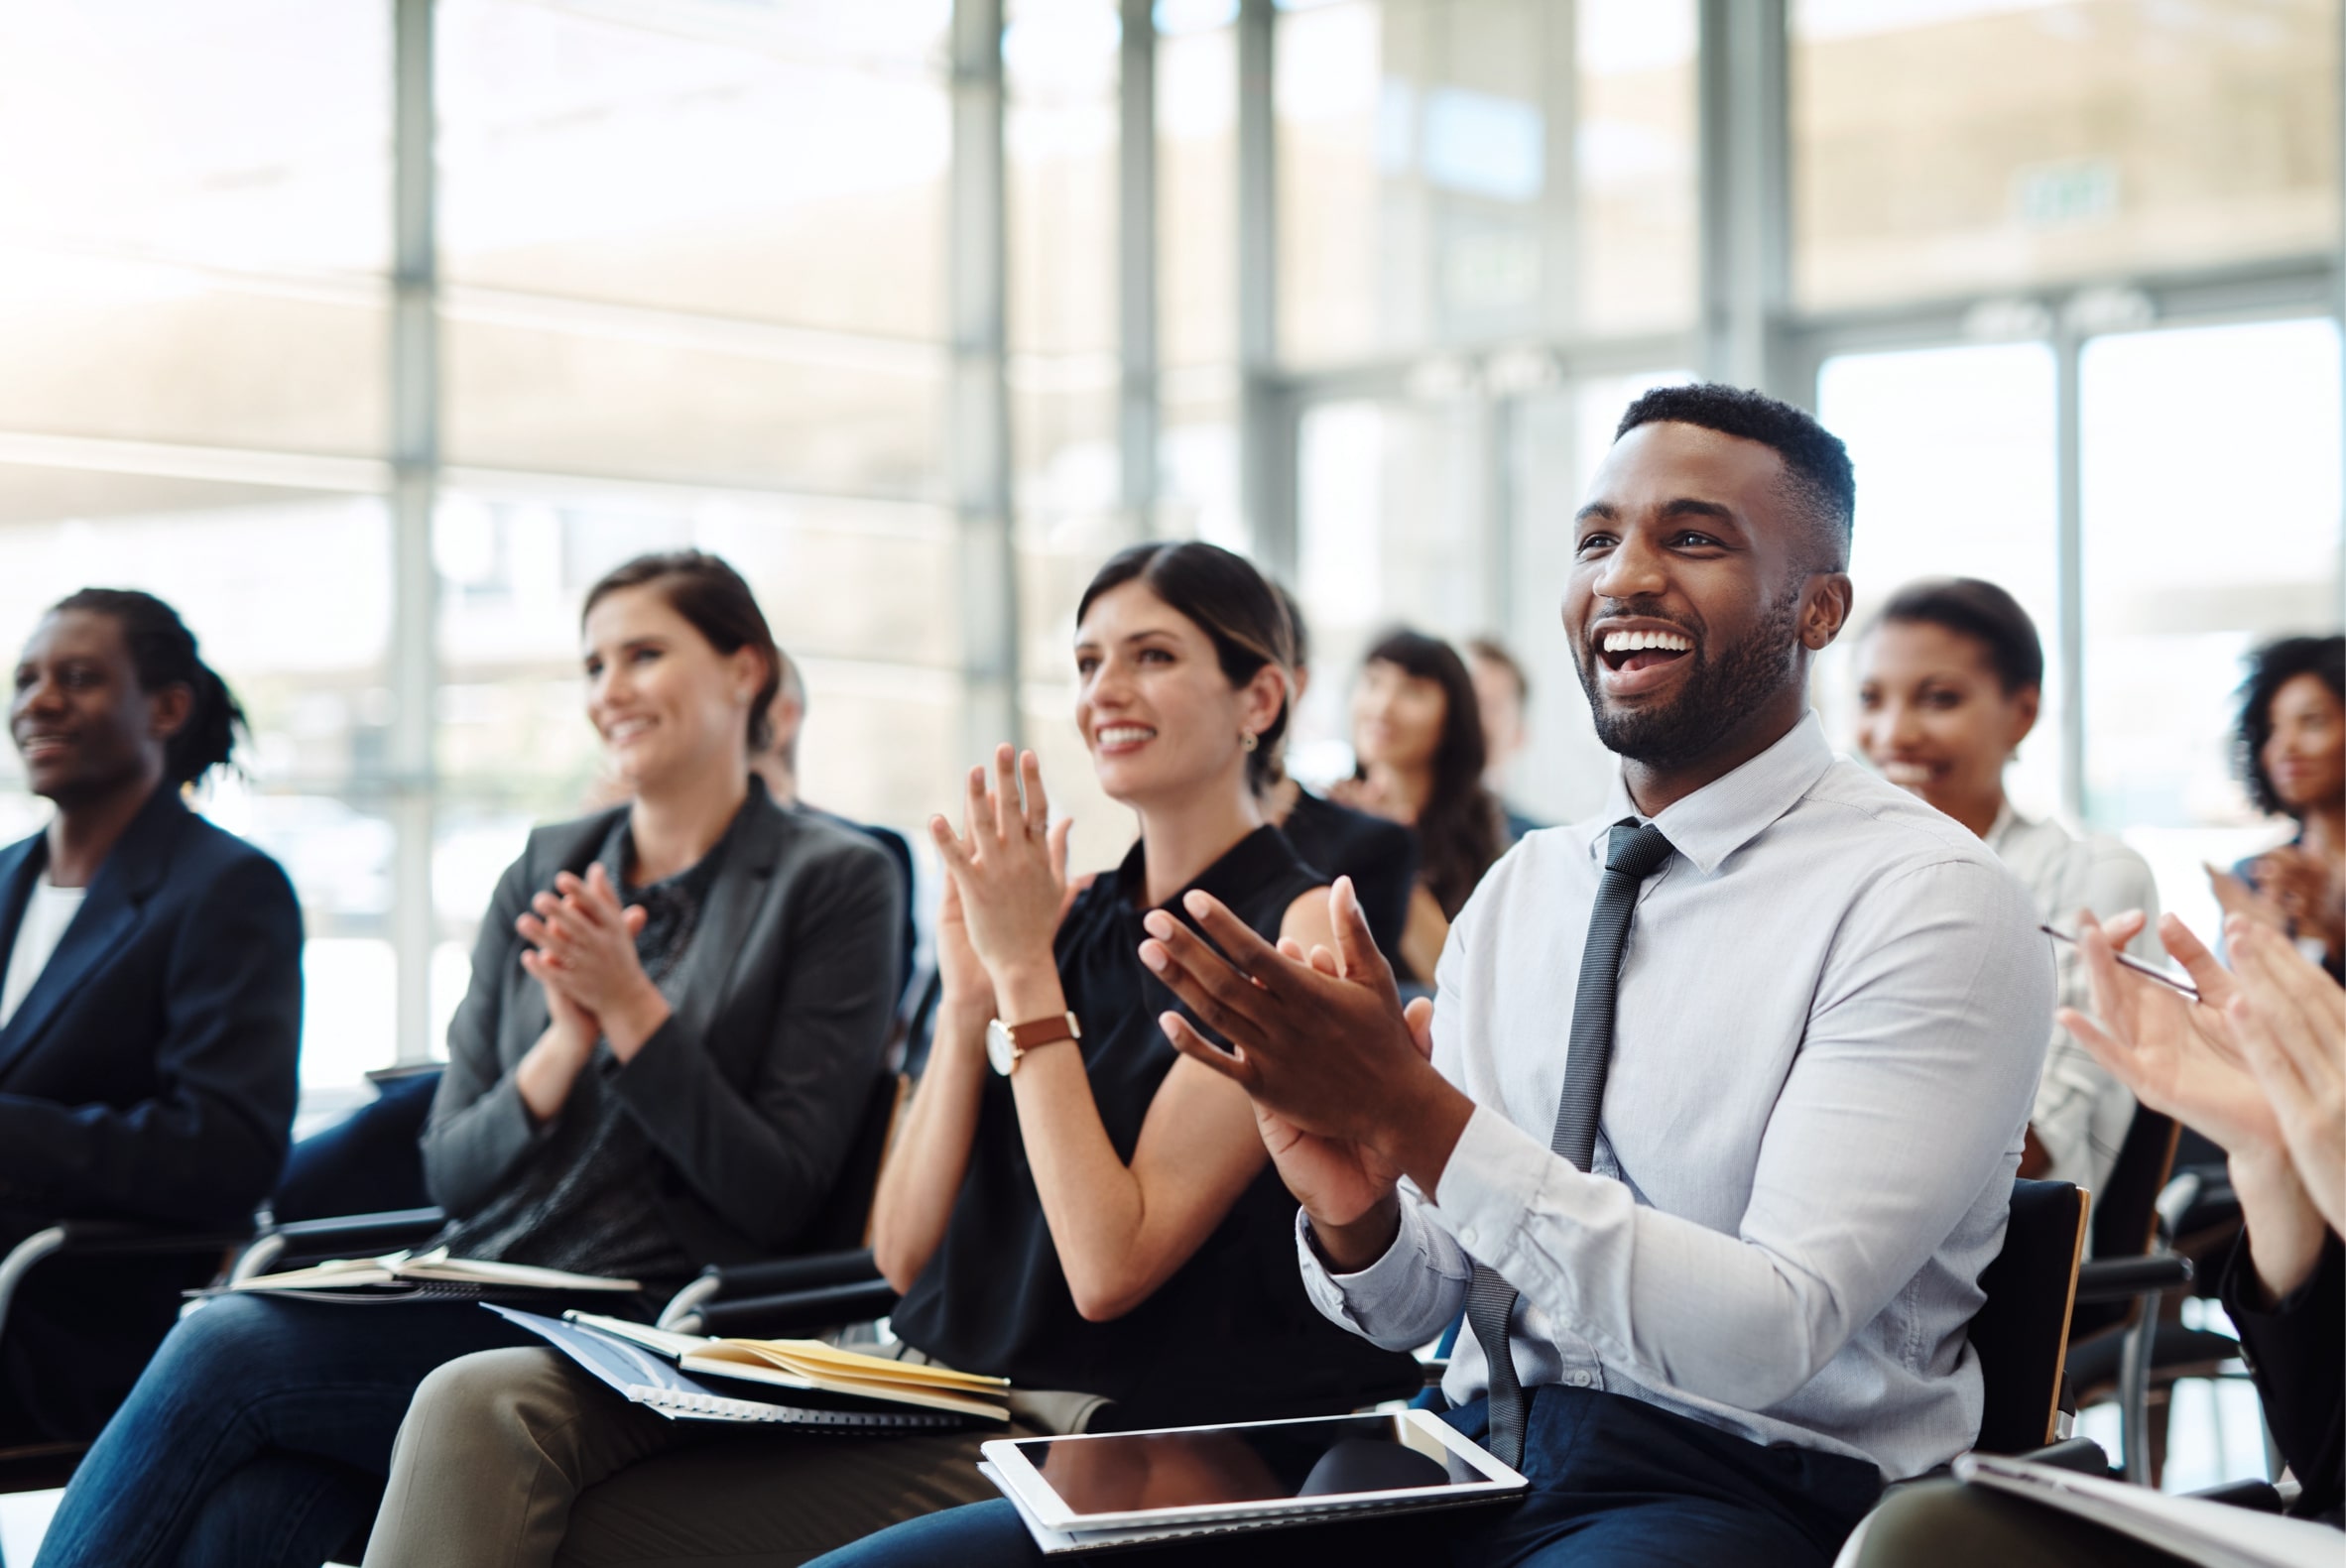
x=1803 y=1025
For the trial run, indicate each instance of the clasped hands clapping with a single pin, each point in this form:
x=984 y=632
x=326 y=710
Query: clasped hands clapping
x=2258 y=1063
x=582 y=953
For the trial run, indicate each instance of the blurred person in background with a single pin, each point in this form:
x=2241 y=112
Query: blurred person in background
x=1380 y=856
x=151 y=1014
x=2257 y=1061
x=674 y=1020
x=1418 y=735
x=2292 y=757
x=777 y=761
x=1503 y=692
x=1949 y=681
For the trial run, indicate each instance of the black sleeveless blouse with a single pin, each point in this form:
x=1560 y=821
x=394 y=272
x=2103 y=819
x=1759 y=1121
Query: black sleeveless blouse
x=1231 y=1335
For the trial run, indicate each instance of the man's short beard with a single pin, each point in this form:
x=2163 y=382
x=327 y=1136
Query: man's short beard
x=1718 y=695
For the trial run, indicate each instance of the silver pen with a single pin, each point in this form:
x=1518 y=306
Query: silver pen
x=2135 y=964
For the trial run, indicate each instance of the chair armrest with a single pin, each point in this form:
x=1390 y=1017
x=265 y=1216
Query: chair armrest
x=106 y=1238
x=797 y=1314
x=2260 y=1496
x=786 y=1276
x=2122 y=1278
x=2081 y=1454
x=342 y=1235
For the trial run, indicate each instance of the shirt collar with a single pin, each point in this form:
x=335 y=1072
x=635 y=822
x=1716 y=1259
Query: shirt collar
x=1251 y=863
x=2007 y=820
x=1729 y=812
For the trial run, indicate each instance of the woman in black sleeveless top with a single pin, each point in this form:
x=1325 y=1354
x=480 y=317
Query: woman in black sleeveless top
x=1100 y=1218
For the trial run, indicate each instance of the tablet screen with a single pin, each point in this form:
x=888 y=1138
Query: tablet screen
x=1130 y=1473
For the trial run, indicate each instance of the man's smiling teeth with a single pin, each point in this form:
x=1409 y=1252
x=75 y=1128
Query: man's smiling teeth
x=627 y=729
x=1631 y=641
x=1125 y=734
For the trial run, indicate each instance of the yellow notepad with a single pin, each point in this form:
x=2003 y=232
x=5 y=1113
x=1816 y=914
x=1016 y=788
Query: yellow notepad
x=811 y=1364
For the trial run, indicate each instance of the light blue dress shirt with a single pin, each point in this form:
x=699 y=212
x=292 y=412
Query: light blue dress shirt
x=1832 y=1013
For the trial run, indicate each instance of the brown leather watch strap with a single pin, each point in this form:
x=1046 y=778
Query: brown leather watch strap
x=1043 y=1031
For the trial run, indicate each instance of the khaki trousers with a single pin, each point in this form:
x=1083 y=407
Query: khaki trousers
x=517 y=1459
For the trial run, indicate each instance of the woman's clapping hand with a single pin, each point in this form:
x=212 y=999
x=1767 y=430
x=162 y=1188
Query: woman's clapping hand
x=1009 y=867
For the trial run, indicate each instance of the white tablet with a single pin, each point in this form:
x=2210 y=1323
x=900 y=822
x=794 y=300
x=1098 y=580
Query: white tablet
x=1256 y=1471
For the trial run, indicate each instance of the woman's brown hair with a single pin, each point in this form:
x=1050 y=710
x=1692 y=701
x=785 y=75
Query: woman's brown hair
x=710 y=594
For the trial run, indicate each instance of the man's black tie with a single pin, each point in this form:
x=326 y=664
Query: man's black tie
x=1632 y=854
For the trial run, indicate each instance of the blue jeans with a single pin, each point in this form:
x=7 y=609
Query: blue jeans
x=260 y=1434
x=1616 y=1483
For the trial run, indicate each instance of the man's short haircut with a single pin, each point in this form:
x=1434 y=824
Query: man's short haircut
x=1816 y=463
x=1981 y=611
x=1493 y=651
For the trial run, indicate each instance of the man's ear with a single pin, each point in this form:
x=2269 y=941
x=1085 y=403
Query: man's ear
x=168 y=710
x=1825 y=609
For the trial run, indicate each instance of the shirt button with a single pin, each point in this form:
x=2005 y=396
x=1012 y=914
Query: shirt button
x=1469 y=1237
x=1581 y=1380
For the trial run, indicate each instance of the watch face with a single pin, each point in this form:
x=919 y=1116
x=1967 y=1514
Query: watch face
x=998 y=1049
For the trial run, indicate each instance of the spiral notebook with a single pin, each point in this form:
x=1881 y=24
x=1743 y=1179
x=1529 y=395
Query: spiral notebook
x=657 y=1382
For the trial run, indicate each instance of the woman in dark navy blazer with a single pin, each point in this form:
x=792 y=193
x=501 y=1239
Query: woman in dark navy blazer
x=151 y=1011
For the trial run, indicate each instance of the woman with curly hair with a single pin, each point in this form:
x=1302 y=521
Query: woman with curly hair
x=2291 y=738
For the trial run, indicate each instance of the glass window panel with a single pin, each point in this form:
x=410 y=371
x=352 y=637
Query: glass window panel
x=1964 y=145
x=1389 y=533
x=153 y=351
x=1198 y=196
x=1956 y=477
x=717 y=405
x=245 y=134
x=1059 y=136
x=1434 y=193
x=1062 y=434
x=779 y=163
x=1635 y=159
x=1198 y=459
x=2211 y=473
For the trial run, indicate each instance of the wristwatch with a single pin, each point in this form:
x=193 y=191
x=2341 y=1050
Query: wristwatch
x=1006 y=1042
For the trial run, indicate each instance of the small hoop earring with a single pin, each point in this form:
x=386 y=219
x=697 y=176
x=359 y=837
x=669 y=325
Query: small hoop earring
x=1247 y=741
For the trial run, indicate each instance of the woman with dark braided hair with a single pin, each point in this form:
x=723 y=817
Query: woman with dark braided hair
x=151 y=1006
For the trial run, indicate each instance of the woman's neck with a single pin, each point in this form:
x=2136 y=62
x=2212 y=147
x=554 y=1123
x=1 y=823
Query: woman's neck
x=675 y=826
x=1978 y=814
x=2325 y=831
x=81 y=837
x=1182 y=839
x=1406 y=789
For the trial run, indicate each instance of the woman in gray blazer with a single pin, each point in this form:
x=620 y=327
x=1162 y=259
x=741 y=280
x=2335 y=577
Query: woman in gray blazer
x=677 y=1010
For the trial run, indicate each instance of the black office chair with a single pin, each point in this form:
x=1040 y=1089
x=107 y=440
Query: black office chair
x=2116 y=1340
x=830 y=1280
x=41 y=1466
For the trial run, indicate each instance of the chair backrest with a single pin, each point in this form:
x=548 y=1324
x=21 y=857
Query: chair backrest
x=2022 y=1330
x=845 y=1217
x=2126 y=1214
